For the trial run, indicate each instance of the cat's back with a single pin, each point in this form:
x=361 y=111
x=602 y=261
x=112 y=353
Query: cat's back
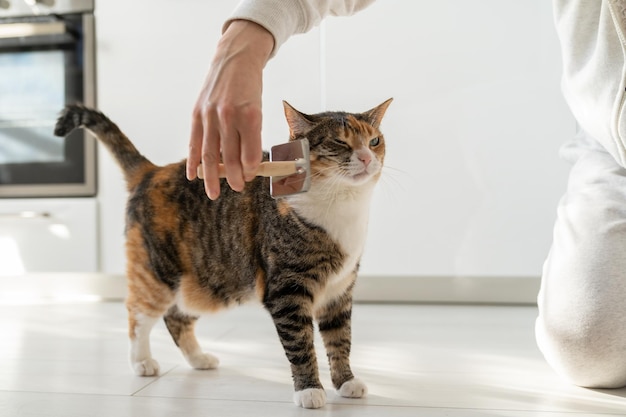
x=205 y=250
x=165 y=199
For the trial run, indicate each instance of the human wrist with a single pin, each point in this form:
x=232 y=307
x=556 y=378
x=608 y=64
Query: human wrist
x=251 y=36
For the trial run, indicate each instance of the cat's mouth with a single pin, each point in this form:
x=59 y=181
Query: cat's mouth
x=362 y=176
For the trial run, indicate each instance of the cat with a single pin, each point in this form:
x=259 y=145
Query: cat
x=298 y=254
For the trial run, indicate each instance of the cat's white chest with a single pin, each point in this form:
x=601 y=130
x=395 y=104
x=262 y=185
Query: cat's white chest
x=345 y=219
x=349 y=230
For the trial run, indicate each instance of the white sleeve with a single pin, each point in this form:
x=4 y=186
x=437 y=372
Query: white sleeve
x=286 y=18
x=594 y=70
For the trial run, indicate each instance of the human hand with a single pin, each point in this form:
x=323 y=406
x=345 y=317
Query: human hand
x=226 y=119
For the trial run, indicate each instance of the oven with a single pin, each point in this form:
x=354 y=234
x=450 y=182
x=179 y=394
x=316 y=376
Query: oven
x=47 y=59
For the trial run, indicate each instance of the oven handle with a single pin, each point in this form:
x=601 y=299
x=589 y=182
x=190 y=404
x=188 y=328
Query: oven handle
x=30 y=29
x=26 y=214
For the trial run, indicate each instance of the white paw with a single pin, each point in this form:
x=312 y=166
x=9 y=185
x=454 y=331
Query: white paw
x=355 y=388
x=310 y=398
x=146 y=367
x=203 y=361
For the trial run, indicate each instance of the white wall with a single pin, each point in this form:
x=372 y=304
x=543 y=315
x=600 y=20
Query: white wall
x=472 y=175
x=473 y=133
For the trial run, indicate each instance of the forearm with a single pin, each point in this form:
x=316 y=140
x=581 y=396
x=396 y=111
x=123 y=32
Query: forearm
x=245 y=37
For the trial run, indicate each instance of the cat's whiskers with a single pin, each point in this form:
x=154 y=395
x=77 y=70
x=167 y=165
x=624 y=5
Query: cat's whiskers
x=333 y=191
x=329 y=189
x=320 y=172
x=398 y=170
x=325 y=191
x=392 y=181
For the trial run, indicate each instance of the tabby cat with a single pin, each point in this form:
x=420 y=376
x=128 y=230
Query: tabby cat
x=298 y=255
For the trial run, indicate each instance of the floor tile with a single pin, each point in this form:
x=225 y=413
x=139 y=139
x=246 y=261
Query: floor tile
x=70 y=360
x=68 y=405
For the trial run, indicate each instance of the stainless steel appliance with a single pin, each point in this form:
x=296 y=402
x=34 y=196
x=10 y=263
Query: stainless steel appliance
x=47 y=59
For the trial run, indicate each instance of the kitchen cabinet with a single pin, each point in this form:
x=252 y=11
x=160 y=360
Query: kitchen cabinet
x=48 y=235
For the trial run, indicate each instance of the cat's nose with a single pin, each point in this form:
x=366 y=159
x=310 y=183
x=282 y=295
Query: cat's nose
x=364 y=157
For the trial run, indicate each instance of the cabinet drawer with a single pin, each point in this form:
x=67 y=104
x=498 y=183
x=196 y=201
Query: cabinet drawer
x=48 y=235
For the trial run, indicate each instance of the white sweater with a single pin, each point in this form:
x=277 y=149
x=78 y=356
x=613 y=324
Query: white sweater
x=592 y=42
x=592 y=35
x=283 y=18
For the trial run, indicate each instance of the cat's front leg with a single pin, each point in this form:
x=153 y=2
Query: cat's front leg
x=334 y=323
x=291 y=311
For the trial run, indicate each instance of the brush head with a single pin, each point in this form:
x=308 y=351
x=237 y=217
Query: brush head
x=298 y=182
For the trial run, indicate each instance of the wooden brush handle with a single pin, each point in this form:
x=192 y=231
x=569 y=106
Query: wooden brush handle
x=266 y=169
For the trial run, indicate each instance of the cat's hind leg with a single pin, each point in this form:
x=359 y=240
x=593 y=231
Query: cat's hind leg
x=144 y=311
x=148 y=300
x=141 y=359
x=181 y=327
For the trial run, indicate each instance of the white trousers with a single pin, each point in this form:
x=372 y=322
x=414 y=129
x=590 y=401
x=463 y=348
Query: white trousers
x=581 y=328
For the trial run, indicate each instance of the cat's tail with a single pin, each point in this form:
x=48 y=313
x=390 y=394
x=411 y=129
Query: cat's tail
x=122 y=149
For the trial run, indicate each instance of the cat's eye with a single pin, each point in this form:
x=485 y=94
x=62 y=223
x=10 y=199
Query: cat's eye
x=375 y=142
x=341 y=142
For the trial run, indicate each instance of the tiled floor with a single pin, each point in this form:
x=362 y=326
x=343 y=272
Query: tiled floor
x=69 y=360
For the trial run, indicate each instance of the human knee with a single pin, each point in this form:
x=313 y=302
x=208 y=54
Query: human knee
x=586 y=353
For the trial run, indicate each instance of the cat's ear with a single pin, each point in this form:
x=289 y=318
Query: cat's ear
x=299 y=123
x=375 y=115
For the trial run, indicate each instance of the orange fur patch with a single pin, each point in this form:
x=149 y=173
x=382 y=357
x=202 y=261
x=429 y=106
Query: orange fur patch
x=283 y=208
x=358 y=133
x=138 y=174
x=146 y=294
x=166 y=212
x=260 y=284
x=198 y=299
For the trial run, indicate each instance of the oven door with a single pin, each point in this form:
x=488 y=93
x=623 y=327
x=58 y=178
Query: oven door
x=45 y=62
